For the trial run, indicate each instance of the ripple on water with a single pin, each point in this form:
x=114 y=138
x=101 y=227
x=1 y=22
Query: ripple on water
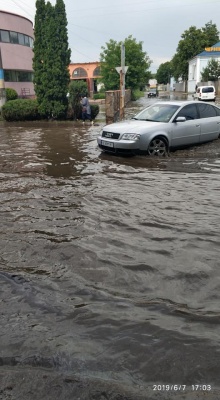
x=109 y=265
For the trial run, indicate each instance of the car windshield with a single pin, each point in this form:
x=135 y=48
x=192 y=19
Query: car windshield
x=157 y=113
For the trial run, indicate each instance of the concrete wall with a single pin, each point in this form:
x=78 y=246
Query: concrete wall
x=112 y=104
x=181 y=86
x=16 y=23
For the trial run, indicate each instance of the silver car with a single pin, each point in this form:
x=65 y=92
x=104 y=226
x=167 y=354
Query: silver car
x=161 y=127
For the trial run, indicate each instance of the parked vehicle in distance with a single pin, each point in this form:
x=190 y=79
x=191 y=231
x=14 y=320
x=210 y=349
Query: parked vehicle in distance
x=153 y=92
x=161 y=127
x=205 y=93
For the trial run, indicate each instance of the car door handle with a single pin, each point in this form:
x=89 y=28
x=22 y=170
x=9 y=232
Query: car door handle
x=218 y=123
x=197 y=125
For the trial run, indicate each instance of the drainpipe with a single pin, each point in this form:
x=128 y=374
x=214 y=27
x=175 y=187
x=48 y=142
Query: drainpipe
x=2 y=84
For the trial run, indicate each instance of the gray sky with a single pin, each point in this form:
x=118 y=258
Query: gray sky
x=157 y=23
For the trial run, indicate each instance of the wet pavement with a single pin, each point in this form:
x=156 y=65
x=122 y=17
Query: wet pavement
x=109 y=268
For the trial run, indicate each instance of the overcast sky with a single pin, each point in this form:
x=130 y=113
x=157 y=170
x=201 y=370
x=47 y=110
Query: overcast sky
x=158 y=24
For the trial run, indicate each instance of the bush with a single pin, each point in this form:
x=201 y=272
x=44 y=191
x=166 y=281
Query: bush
x=136 y=94
x=99 y=95
x=27 y=110
x=20 y=110
x=94 y=110
x=11 y=94
x=76 y=90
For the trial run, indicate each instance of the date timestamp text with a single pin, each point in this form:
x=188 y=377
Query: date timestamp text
x=175 y=388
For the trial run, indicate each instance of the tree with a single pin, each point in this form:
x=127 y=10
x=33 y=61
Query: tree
x=39 y=50
x=136 y=59
x=51 y=58
x=193 y=42
x=211 y=34
x=211 y=72
x=164 y=73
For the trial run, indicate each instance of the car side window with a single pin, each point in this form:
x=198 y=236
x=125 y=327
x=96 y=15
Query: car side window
x=207 y=111
x=217 y=111
x=189 y=112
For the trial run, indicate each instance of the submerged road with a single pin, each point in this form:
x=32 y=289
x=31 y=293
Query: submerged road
x=109 y=268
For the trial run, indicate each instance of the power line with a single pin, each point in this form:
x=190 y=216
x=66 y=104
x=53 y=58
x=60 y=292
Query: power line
x=117 y=5
x=19 y=6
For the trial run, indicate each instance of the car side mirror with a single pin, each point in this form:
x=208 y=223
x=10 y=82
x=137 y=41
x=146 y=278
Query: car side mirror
x=180 y=119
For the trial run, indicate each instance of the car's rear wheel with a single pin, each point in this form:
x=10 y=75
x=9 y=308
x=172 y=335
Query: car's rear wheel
x=157 y=147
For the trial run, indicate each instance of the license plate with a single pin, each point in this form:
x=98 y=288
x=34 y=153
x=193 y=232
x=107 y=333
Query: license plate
x=108 y=144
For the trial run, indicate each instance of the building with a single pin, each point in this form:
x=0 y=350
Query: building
x=16 y=44
x=199 y=62
x=88 y=72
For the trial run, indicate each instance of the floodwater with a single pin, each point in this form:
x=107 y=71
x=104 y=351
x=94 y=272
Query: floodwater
x=109 y=268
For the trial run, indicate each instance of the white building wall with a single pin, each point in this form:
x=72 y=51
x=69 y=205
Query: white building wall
x=196 y=66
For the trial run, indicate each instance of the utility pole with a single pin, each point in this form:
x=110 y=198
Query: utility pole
x=122 y=71
x=122 y=83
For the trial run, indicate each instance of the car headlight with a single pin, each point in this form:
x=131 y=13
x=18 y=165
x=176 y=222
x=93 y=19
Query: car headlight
x=130 y=136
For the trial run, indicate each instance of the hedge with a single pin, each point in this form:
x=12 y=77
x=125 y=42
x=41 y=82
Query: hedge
x=99 y=95
x=27 y=110
x=20 y=110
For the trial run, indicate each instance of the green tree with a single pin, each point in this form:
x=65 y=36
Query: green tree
x=211 y=72
x=193 y=42
x=164 y=73
x=51 y=59
x=39 y=50
x=211 y=34
x=136 y=59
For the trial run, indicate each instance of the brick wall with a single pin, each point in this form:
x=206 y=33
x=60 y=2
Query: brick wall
x=112 y=104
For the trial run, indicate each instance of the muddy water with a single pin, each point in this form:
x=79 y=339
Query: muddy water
x=109 y=269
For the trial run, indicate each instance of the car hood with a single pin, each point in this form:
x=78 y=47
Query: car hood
x=133 y=126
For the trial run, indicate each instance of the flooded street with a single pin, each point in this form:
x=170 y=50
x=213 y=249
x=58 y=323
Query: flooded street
x=109 y=268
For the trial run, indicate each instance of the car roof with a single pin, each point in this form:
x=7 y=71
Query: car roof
x=176 y=103
x=206 y=86
x=180 y=103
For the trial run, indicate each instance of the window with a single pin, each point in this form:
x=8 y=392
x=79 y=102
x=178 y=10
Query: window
x=5 y=36
x=14 y=37
x=207 y=111
x=208 y=89
x=21 y=38
x=157 y=113
x=10 y=76
x=18 y=76
x=31 y=42
x=24 y=76
x=79 y=72
x=26 y=41
x=189 y=112
x=97 y=71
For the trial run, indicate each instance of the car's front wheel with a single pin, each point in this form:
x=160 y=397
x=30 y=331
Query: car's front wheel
x=158 y=147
